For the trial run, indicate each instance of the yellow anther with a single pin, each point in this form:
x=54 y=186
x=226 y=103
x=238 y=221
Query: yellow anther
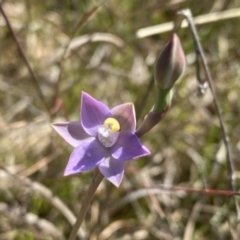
x=112 y=124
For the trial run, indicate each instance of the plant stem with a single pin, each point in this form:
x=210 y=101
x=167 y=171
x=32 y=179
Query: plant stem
x=22 y=54
x=86 y=203
x=188 y=15
x=164 y=97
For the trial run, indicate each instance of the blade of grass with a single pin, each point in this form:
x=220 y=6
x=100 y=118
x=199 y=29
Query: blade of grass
x=82 y=20
x=199 y=20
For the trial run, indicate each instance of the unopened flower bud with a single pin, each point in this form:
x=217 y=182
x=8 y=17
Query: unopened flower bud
x=170 y=65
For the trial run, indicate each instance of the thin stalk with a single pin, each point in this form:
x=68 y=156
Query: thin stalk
x=145 y=97
x=80 y=23
x=86 y=203
x=164 y=97
x=22 y=54
x=188 y=15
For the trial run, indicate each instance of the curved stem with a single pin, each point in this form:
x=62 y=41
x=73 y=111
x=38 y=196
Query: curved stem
x=188 y=15
x=23 y=55
x=86 y=203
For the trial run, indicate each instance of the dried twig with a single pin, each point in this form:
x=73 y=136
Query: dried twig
x=199 y=20
x=79 y=42
x=163 y=189
x=22 y=54
x=199 y=49
x=83 y=20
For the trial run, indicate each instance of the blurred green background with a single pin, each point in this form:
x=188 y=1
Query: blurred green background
x=108 y=61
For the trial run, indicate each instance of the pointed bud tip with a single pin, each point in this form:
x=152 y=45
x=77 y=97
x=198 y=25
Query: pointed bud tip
x=171 y=63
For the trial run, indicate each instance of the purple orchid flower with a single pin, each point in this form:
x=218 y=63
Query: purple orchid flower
x=102 y=138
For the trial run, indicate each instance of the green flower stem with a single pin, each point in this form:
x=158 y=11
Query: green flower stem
x=86 y=203
x=163 y=99
x=161 y=106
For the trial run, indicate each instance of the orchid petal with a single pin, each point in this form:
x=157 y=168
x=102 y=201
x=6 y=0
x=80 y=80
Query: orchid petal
x=125 y=114
x=71 y=132
x=93 y=114
x=128 y=147
x=86 y=156
x=112 y=169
